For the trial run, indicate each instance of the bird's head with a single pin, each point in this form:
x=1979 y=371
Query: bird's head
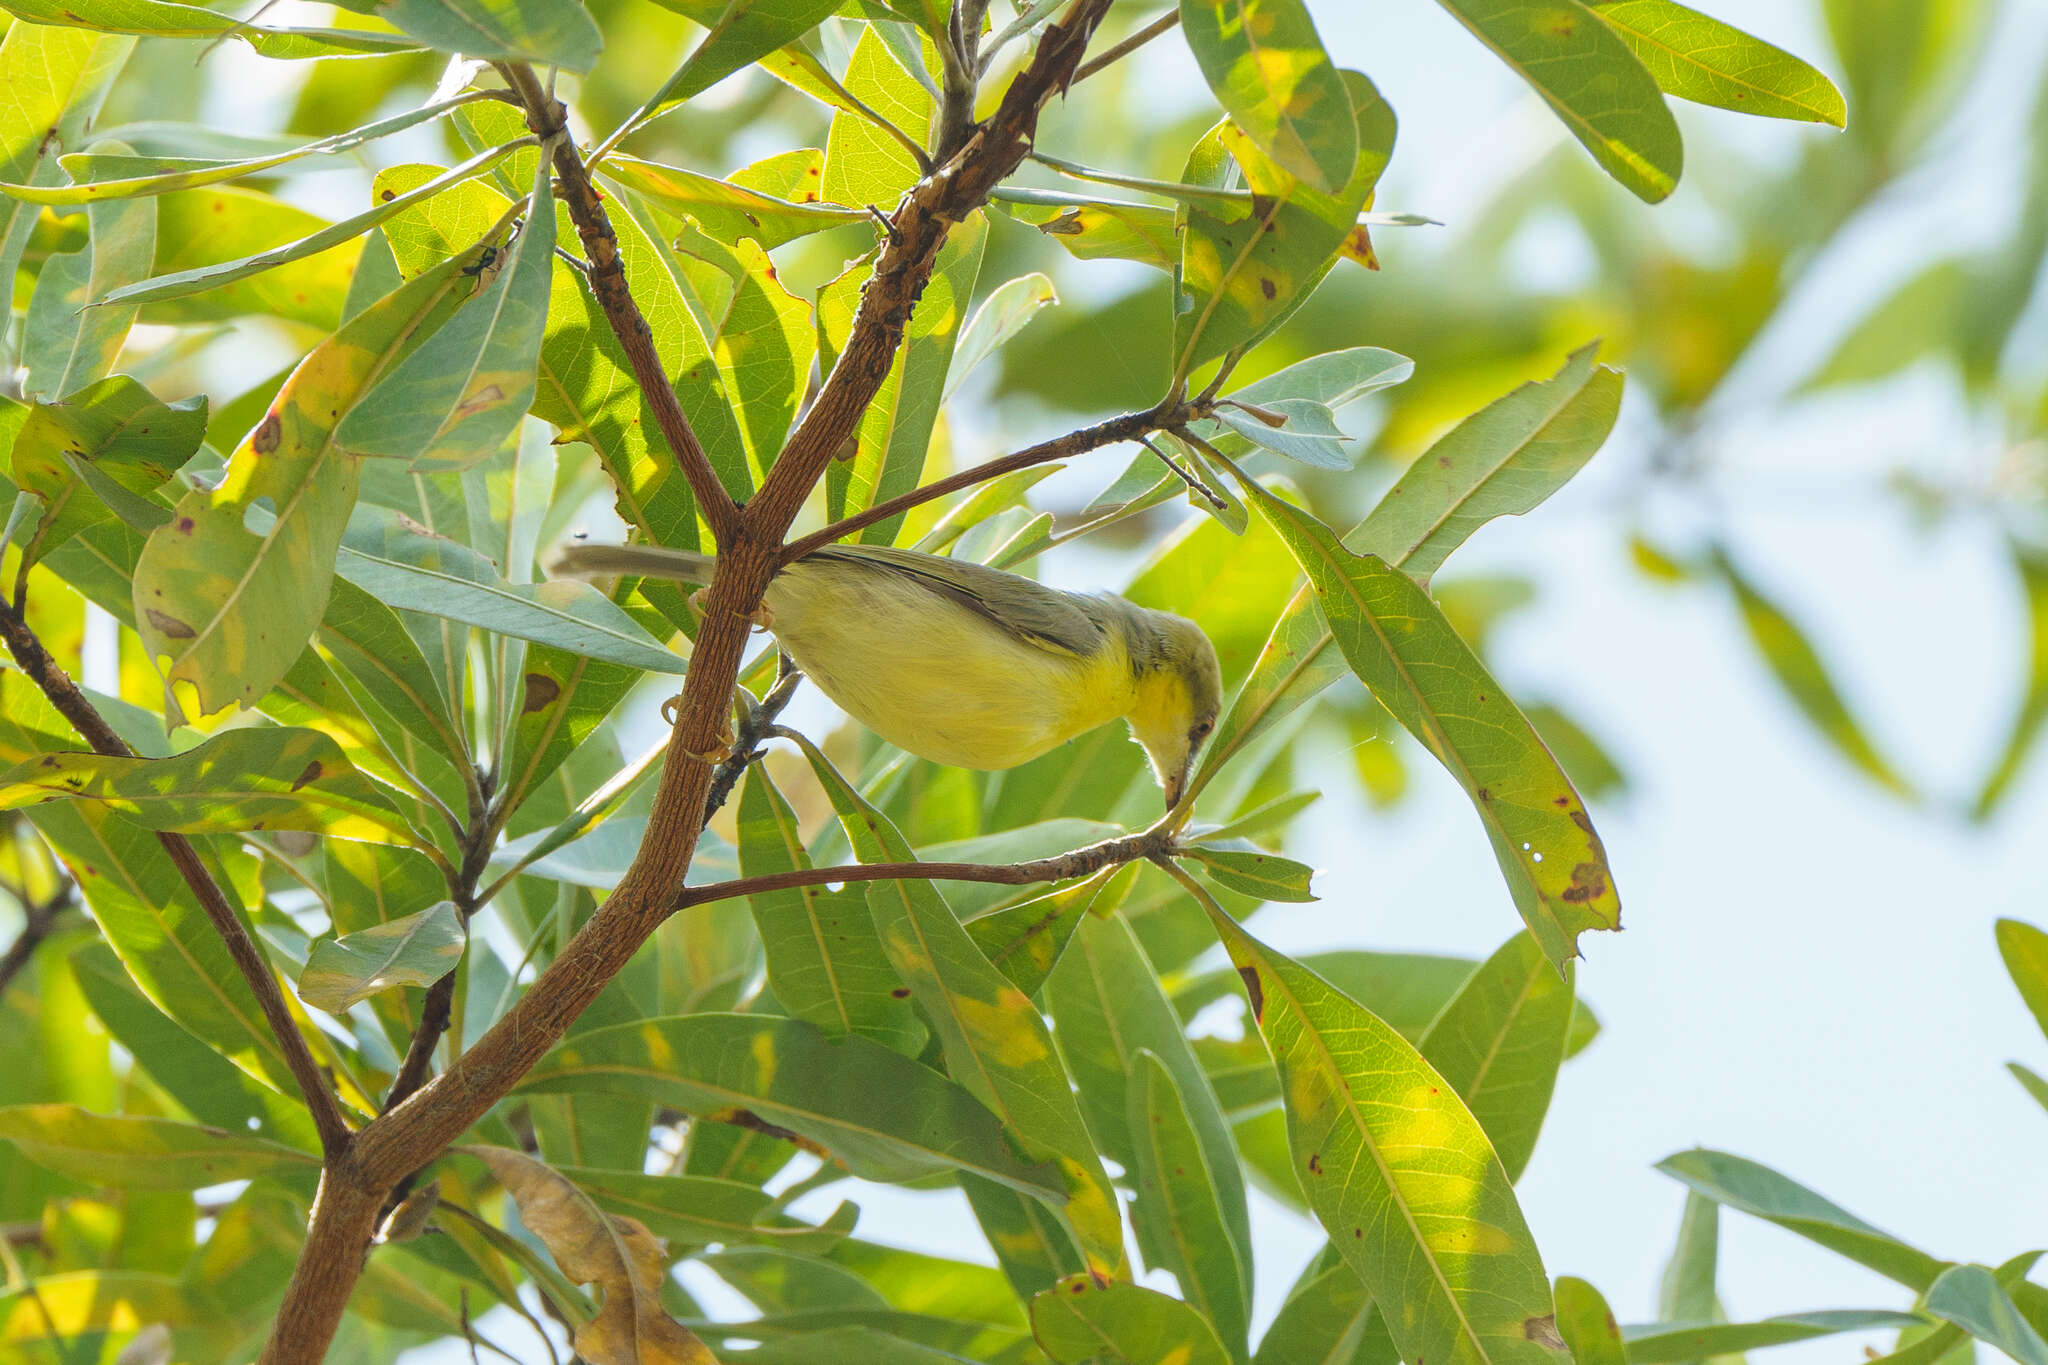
x=1179 y=691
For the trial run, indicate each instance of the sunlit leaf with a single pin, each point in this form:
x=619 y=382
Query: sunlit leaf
x=145 y=1153
x=167 y=19
x=413 y=950
x=1500 y=1040
x=1587 y=1324
x=65 y=346
x=115 y=427
x=1091 y=229
x=233 y=609
x=1398 y=1172
x=1397 y=641
x=1251 y=871
x=1006 y=311
x=1591 y=80
x=1245 y=264
x=1272 y=76
x=700 y=1210
x=863 y=164
x=2024 y=949
x=242 y=779
x=728 y=211
x=1080 y=1321
x=1702 y=59
x=745 y=32
x=617 y=1254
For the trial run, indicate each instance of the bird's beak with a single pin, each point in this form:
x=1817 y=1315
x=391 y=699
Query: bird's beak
x=1178 y=783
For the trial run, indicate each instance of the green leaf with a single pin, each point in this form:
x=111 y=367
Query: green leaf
x=1899 y=60
x=243 y=779
x=1687 y=1293
x=1587 y=1324
x=1663 y=1343
x=2026 y=726
x=442 y=577
x=725 y=210
x=1499 y=1042
x=1535 y=430
x=66 y=346
x=884 y=1115
x=55 y=79
x=115 y=427
x=863 y=164
x=140 y=1153
x=180 y=283
x=1398 y=642
x=1093 y=229
x=1742 y=1184
x=1025 y=940
x=1107 y=1005
x=825 y=963
x=1971 y=1297
x=1398 y=1172
x=233 y=609
x=1032 y=1245
x=995 y=1042
x=702 y=1211
x=101 y=174
x=1704 y=60
x=461 y=395
x=895 y=431
x=555 y=32
x=72 y=1304
x=1246 y=264
x=2024 y=949
x=1080 y=1321
x=1273 y=77
x=1180 y=1205
x=1922 y=316
x=198 y=229
x=1591 y=80
x=1502 y=461
x=1006 y=311
x=167 y=19
x=1251 y=871
x=1328 y=1319
x=413 y=950
x=1299 y=428
x=745 y=32
x=2031 y=1081
x=215 y=1090
x=1800 y=670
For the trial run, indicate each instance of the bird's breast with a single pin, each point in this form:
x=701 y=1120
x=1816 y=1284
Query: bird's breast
x=935 y=678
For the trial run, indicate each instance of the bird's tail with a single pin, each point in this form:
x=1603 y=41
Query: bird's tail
x=645 y=561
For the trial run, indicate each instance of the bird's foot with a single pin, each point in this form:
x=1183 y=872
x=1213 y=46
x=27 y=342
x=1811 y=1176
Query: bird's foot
x=762 y=618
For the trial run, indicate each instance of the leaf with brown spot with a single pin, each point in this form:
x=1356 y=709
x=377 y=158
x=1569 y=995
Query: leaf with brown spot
x=615 y=1253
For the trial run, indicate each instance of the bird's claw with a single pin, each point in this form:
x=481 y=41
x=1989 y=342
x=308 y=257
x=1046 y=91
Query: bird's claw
x=762 y=618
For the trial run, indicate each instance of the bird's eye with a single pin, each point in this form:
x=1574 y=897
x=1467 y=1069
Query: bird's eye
x=1202 y=728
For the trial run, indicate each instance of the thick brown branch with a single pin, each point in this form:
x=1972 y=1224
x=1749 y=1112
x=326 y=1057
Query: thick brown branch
x=547 y=118
x=55 y=684
x=415 y=1131
x=1129 y=427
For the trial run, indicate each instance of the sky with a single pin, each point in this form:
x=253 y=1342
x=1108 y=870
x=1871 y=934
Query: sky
x=1807 y=975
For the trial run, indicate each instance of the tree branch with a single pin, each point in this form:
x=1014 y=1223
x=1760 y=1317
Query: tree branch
x=548 y=119
x=759 y=721
x=38 y=919
x=1129 y=45
x=412 y=1133
x=1131 y=426
x=1060 y=867
x=37 y=665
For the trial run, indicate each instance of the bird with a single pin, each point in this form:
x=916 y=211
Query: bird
x=966 y=665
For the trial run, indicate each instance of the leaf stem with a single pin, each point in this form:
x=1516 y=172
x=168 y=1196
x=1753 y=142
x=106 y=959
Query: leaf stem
x=1129 y=45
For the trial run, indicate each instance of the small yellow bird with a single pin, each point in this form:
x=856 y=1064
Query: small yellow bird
x=967 y=665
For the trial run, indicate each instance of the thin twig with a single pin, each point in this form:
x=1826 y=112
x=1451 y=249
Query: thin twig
x=1195 y=485
x=37 y=665
x=39 y=919
x=756 y=726
x=1131 y=426
x=549 y=121
x=1128 y=45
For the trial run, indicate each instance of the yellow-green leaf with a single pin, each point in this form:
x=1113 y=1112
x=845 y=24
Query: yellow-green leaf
x=1273 y=77
x=1699 y=58
x=140 y=1153
x=412 y=950
x=1080 y=1321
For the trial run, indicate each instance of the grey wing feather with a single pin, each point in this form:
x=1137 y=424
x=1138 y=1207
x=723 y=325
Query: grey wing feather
x=1020 y=605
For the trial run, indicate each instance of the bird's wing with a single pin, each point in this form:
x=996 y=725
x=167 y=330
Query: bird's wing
x=1022 y=606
